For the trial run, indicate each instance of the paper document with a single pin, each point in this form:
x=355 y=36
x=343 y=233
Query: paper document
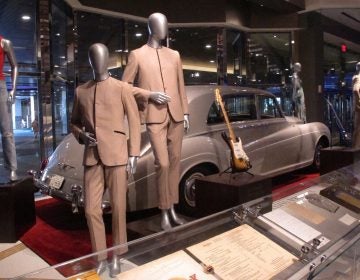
x=176 y=266
x=243 y=253
x=293 y=225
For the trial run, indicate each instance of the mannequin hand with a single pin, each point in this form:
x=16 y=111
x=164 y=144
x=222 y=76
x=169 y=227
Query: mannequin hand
x=160 y=97
x=186 y=123
x=88 y=139
x=131 y=165
x=11 y=99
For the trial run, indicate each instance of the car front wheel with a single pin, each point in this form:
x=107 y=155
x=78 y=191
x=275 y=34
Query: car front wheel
x=187 y=203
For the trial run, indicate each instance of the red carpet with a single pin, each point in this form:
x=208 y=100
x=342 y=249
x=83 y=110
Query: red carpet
x=59 y=235
x=287 y=184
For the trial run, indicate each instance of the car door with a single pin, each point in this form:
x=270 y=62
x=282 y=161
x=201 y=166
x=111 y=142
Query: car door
x=278 y=144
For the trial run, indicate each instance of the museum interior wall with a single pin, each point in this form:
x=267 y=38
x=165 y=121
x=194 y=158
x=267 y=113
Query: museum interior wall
x=221 y=42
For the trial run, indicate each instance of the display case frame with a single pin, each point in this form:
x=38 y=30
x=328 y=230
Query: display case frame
x=312 y=257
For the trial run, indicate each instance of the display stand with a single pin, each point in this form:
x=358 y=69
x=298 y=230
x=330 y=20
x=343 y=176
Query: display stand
x=221 y=191
x=334 y=158
x=17 y=209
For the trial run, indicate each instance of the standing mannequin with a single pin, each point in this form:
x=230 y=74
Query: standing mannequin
x=298 y=93
x=164 y=108
x=100 y=106
x=356 y=93
x=6 y=100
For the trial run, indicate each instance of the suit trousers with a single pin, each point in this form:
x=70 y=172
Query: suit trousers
x=6 y=129
x=166 y=142
x=95 y=179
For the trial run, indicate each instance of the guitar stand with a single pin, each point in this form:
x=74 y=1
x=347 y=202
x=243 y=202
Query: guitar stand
x=230 y=170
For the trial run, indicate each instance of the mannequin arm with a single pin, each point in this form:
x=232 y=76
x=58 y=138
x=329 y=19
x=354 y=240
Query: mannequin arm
x=186 y=122
x=88 y=139
x=8 y=48
x=131 y=165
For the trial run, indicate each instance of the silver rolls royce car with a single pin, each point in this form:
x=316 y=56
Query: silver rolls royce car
x=274 y=143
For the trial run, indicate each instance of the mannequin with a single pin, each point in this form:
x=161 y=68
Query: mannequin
x=298 y=93
x=6 y=100
x=105 y=101
x=356 y=93
x=164 y=108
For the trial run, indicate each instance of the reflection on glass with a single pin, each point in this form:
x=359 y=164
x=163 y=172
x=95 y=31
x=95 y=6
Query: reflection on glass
x=197 y=48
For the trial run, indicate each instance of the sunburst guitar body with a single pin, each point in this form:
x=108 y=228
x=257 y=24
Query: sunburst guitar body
x=239 y=160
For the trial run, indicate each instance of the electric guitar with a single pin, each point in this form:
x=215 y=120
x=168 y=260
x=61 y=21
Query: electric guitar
x=239 y=160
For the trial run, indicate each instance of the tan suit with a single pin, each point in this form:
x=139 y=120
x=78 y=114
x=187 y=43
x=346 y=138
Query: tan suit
x=160 y=70
x=99 y=108
x=356 y=103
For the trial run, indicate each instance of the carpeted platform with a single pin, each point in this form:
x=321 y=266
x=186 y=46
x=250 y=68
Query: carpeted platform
x=59 y=235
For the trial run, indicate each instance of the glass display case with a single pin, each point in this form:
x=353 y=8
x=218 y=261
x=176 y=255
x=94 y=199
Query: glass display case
x=311 y=232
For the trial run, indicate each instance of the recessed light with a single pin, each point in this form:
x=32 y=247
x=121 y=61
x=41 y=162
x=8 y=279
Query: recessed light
x=25 y=17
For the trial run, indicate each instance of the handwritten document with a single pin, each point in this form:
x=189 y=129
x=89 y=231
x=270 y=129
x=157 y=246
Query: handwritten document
x=176 y=266
x=243 y=253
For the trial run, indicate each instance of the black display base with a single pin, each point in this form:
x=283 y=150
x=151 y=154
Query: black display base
x=17 y=209
x=336 y=157
x=221 y=191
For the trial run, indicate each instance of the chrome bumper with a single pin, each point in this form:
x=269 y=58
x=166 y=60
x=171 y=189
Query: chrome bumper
x=75 y=197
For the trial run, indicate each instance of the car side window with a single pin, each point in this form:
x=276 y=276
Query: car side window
x=238 y=108
x=268 y=108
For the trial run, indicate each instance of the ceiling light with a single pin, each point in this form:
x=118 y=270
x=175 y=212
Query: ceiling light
x=208 y=46
x=274 y=36
x=25 y=17
x=138 y=34
x=62 y=57
x=292 y=42
x=57 y=34
x=212 y=61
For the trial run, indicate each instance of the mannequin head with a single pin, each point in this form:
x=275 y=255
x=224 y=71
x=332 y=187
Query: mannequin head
x=297 y=67
x=158 y=28
x=357 y=68
x=99 y=58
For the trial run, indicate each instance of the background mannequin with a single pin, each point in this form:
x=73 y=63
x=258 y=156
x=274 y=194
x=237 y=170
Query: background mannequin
x=298 y=93
x=356 y=93
x=6 y=100
x=164 y=108
x=105 y=101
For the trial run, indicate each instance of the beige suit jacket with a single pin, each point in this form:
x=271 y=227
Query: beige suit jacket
x=99 y=108
x=164 y=76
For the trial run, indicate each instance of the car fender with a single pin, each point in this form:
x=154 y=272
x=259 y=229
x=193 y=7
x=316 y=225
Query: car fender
x=208 y=151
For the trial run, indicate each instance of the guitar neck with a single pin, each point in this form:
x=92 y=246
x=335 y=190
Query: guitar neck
x=231 y=131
